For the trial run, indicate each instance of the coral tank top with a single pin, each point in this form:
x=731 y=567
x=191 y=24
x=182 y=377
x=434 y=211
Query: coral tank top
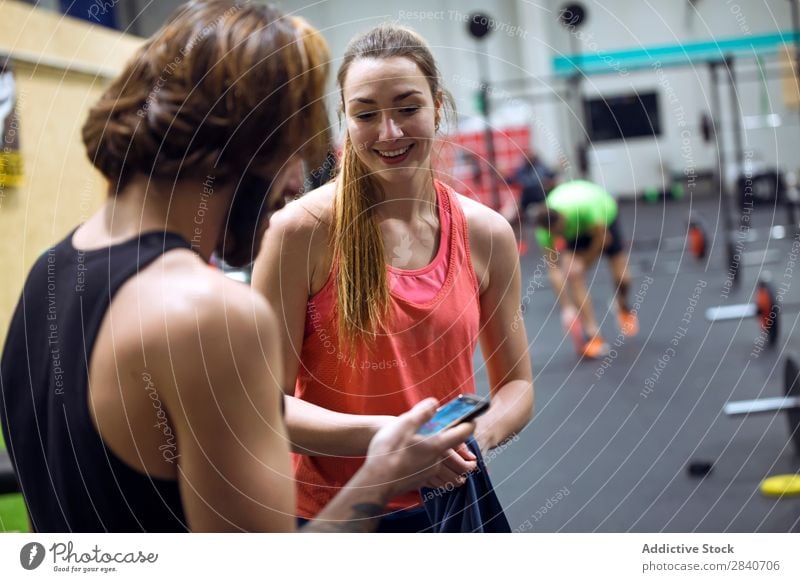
x=424 y=347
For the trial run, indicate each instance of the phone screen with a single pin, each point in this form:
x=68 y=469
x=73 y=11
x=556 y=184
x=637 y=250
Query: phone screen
x=451 y=411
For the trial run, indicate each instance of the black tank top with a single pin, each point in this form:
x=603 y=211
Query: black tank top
x=70 y=480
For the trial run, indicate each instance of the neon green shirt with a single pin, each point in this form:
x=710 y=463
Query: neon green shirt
x=583 y=205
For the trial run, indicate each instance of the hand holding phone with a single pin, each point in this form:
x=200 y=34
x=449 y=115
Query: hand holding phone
x=463 y=408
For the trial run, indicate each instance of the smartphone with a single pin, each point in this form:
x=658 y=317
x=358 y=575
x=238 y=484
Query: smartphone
x=461 y=409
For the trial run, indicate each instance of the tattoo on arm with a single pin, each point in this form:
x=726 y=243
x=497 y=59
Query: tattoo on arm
x=364 y=518
x=505 y=441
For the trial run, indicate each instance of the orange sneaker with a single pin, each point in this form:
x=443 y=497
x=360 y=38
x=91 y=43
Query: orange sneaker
x=595 y=348
x=628 y=323
x=572 y=325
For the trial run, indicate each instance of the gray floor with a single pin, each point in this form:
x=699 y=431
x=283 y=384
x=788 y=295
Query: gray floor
x=609 y=445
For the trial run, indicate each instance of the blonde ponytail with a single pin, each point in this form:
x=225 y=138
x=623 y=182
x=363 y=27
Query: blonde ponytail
x=361 y=288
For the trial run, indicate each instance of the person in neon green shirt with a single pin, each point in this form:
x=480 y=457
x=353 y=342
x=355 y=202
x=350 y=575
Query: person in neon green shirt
x=578 y=222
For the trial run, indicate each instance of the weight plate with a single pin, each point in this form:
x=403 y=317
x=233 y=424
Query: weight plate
x=767 y=311
x=697 y=240
x=733 y=264
x=791 y=386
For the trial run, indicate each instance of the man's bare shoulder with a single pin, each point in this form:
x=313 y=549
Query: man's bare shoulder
x=180 y=304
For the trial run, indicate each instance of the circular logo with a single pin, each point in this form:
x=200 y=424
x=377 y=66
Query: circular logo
x=31 y=555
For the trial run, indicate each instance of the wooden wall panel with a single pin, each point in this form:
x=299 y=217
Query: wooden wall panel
x=60 y=187
x=791 y=82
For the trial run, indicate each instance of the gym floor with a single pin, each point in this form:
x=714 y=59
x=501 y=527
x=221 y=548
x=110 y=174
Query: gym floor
x=611 y=439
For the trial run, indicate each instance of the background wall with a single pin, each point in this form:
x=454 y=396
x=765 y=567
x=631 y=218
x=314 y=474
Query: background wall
x=624 y=24
x=60 y=189
x=525 y=38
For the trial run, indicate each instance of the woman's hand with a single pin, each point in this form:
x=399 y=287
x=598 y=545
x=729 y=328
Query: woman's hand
x=458 y=463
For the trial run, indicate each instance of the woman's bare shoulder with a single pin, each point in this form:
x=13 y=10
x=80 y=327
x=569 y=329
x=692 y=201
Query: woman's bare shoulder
x=310 y=212
x=484 y=223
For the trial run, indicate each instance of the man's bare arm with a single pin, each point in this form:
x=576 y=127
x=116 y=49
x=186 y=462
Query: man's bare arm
x=221 y=379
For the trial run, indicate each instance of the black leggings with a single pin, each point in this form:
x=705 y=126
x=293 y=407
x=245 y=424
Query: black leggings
x=585 y=241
